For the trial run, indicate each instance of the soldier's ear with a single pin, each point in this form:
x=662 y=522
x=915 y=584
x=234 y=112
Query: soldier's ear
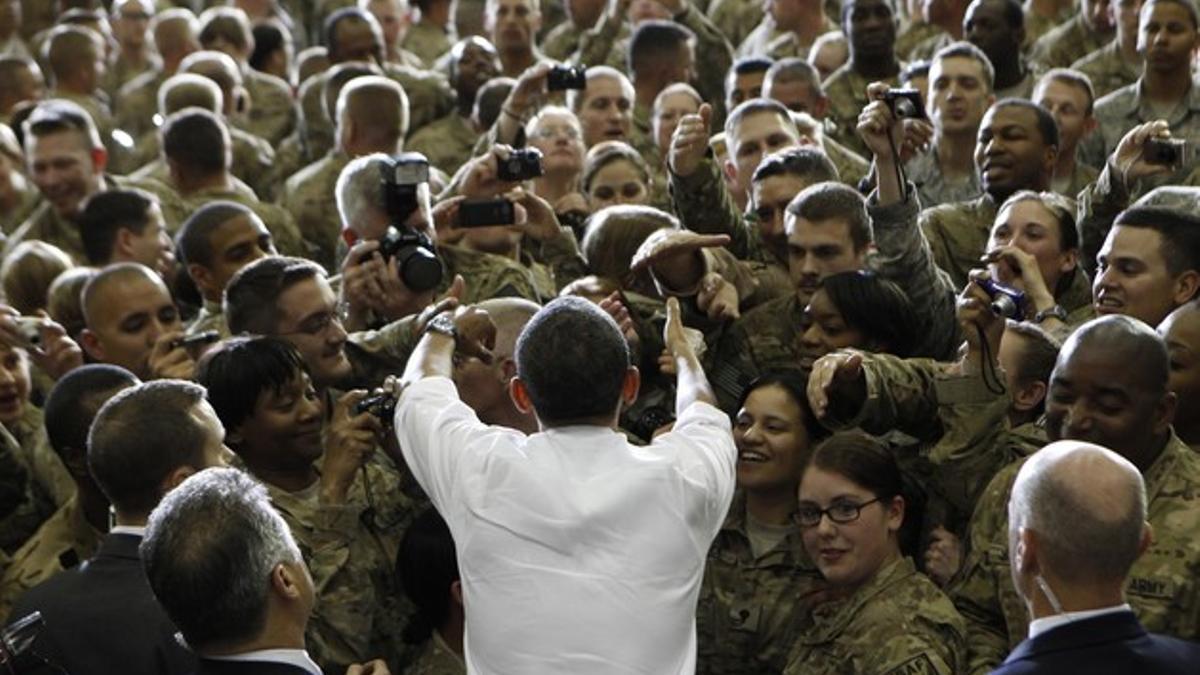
x=520 y=396
x=91 y=344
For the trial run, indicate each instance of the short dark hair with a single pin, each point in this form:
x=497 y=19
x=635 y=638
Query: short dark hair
x=490 y=98
x=795 y=383
x=749 y=65
x=804 y=162
x=914 y=70
x=794 y=69
x=74 y=401
x=192 y=242
x=251 y=298
x=1046 y=125
x=209 y=552
x=966 y=50
x=1073 y=78
x=107 y=213
x=196 y=139
x=876 y=307
x=329 y=30
x=572 y=358
x=269 y=37
x=239 y=370
x=656 y=39
x=1180 y=233
x=1186 y=4
x=426 y=565
x=830 y=200
x=58 y=115
x=754 y=106
x=228 y=23
x=140 y=436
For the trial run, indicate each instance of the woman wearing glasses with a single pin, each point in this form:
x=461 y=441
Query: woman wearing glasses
x=759 y=582
x=886 y=617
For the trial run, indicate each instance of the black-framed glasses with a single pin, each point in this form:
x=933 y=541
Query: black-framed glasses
x=808 y=515
x=319 y=323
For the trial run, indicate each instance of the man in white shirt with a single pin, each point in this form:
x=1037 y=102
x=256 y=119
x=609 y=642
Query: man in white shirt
x=579 y=552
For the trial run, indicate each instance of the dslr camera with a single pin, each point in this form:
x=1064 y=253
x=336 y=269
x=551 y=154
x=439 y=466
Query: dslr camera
x=566 y=77
x=1172 y=152
x=1007 y=302
x=381 y=405
x=402 y=175
x=522 y=164
x=905 y=104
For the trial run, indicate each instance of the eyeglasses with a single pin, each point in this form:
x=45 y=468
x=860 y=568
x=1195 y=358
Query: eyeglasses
x=808 y=515
x=319 y=323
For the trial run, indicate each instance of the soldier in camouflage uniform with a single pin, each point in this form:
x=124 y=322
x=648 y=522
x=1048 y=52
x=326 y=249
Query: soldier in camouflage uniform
x=135 y=103
x=429 y=566
x=129 y=21
x=1090 y=30
x=448 y=142
x=737 y=19
x=1117 y=64
x=869 y=62
x=426 y=38
x=1123 y=358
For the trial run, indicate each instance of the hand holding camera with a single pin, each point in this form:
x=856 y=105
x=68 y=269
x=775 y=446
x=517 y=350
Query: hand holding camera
x=1148 y=150
x=977 y=314
x=47 y=342
x=350 y=440
x=880 y=124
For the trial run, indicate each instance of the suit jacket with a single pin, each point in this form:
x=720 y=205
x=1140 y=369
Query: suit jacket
x=1111 y=643
x=212 y=667
x=102 y=617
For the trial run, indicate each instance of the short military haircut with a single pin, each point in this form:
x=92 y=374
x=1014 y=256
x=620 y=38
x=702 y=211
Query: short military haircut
x=70 y=48
x=359 y=188
x=803 y=162
x=1073 y=78
x=216 y=66
x=489 y=100
x=1128 y=341
x=1188 y=5
x=1038 y=354
x=1014 y=14
x=188 y=90
x=209 y=552
x=793 y=69
x=572 y=360
x=1059 y=206
x=427 y=565
x=196 y=139
x=378 y=106
x=755 y=106
x=614 y=234
x=28 y=271
x=112 y=274
x=835 y=201
x=1179 y=231
x=193 y=241
x=914 y=70
x=11 y=69
x=226 y=23
x=677 y=88
x=749 y=65
x=237 y=372
x=965 y=50
x=335 y=81
x=58 y=115
x=140 y=437
x=105 y=214
x=656 y=40
x=334 y=20
x=1047 y=127
x=270 y=36
x=252 y=296
x=74 y=401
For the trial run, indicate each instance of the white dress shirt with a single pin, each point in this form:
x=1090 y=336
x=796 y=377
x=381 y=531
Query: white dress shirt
x=1046 y=623
x=293 y=657
x=579 y=552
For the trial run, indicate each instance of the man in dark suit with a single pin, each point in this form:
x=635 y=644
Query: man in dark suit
x=146 y=439
x=211 y=547
x=1077 y=523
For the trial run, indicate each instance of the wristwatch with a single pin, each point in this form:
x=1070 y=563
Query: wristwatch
x=442 y=323
x=1056 y=311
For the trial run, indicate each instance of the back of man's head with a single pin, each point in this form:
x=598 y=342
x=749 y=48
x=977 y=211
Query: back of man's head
x=1086 y=508
x=572 y=360
x=654 y=42
x=804 y=162
x=188 y=90
x=252 y=296
x=377 y=110
x=193 y=243
x=141 y=437
x=211 y=551
x=196 y=143
x=68 y=49
x=72 y=405
x=105 y=214
x=226 y=28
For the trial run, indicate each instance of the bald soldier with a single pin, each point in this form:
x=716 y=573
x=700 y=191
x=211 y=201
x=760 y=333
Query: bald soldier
x=174 y=32
x=1109 y=386
x=132 y=322
x=1077 y=524
x=372 y=116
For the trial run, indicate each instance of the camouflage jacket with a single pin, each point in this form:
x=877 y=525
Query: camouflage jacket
x=736 y=19
x=437 y=659
x=1063 y=45
x=704 y=204
x=765 y=338
x=1108 y=69
x=897 y=623
x=847 y=92
x=273 y=113
x=958 y=234
x=427 y=41
x=211 y=317
x=1126 y=108
x=932 y=187
x=1164 y=584
x=308 y=197
x=446 y=143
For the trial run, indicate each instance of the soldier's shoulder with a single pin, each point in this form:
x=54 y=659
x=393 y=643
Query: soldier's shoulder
x=1117 y=103
x=266 y=82
x=316 y=172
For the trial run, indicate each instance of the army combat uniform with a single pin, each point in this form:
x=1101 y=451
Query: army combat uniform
x=61 y=543
x=847 y=92
x=897 y=623
x=437 y=659
x=1163 y=586
x=1066 y=44
x=309 y=197
x=1108 y=69
x=958 y=235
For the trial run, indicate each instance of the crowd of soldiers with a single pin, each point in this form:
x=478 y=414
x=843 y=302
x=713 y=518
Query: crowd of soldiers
x=965 y=229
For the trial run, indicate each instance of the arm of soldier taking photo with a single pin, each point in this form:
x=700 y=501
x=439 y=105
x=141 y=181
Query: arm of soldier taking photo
x=46 y=342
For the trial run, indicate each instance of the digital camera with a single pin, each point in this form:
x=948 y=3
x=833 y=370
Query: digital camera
x=1006 y=301
x=402 y=177
x=522 y=164
x=905 y=104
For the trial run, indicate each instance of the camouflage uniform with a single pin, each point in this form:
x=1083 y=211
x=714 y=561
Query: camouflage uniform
x=756 y=41
x=351 y=550
x=765 y=338
x=120 y=72
x=309 y=197
x=252 y=159
x=958 y=234
x=62 y=542
x=447 y=143
x=704 y=204
x=916 y=34
x=437 y=659
x=927 y=48
x=899 y=622
x=847 y=92
x=29 y=199
x=273 y=113
x=136 y=103
x=562 y=41
x=1108 y=69
x=287 y=236
x=211 y=317
x=736 y=19
x=34 y=451
x=1126 y=108
x=933 y=187
x=489 y=275
x=751 y=607
x=1163 y=584
x=1022 y=89
x=1081 y=178
x=1037 y=25
x=427 y=41
x=1066 y=44
x=24 y=502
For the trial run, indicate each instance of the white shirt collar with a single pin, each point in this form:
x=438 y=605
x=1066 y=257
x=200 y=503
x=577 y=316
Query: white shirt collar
x=1046 y=623
x=295 y=657
x=128 y=529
